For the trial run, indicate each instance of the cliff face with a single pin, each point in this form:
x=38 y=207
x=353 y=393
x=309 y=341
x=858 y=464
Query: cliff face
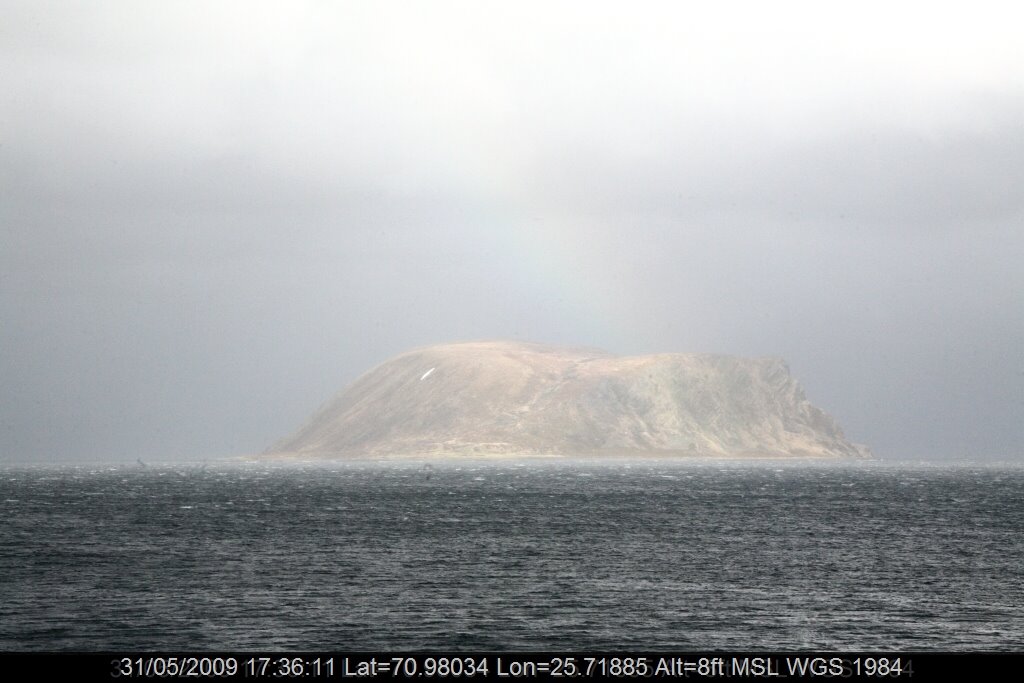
x=482 y=398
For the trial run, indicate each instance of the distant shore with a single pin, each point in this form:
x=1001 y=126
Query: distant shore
x=435 y=456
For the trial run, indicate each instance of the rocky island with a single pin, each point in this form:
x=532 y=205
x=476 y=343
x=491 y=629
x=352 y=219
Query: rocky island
x=514 y=398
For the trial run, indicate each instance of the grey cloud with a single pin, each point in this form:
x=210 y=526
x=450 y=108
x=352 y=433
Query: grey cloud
x=881 y=175
x=203 y=237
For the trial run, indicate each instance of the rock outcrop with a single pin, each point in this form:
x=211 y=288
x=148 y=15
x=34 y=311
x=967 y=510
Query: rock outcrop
x=488 y=398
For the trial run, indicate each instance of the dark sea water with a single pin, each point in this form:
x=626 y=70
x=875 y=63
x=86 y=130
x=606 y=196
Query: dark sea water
x=513 y=555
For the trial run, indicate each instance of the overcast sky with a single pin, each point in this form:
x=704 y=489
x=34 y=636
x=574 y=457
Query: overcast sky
x=215 y=215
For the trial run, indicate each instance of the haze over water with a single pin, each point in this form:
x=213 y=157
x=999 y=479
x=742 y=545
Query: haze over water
x=513 y=555
x=213 y=217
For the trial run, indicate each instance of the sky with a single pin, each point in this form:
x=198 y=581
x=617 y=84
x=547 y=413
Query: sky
x=214 y=216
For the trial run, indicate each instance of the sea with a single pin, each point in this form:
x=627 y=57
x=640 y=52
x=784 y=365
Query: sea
x=534 y=554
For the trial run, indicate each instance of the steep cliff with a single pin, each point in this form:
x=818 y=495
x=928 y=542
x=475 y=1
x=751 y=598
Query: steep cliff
x=481 y=398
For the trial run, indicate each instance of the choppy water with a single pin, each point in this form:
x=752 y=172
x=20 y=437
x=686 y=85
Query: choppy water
x=536 y=555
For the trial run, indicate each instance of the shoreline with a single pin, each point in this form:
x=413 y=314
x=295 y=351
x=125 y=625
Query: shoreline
x=438 y=457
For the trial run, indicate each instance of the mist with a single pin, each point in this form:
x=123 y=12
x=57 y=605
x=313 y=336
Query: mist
x=213 y=218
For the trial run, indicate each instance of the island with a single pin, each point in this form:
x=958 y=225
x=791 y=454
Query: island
x=507 y=398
